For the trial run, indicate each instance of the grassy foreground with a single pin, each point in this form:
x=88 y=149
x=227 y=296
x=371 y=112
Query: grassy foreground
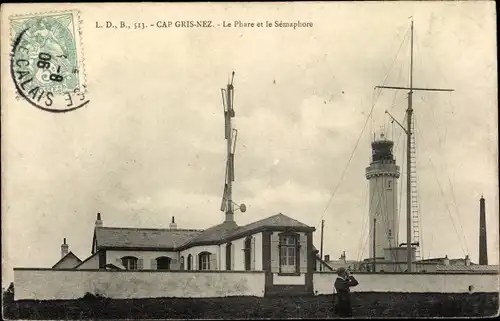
x=364 y=305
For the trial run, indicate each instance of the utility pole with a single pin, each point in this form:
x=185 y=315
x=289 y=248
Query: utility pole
x=374 y=244
x=321 y=248
x=408 y=131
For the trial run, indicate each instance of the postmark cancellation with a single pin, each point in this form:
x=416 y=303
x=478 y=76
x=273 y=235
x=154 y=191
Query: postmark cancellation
x=47 y=64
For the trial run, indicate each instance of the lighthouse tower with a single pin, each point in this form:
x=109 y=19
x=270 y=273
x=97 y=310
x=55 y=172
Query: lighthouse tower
x=383 y=174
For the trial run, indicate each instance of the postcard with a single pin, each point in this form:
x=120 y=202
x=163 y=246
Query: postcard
x=249 y=160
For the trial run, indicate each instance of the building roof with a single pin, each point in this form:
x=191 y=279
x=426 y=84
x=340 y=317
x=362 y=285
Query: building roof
x=66 y=257
x=111 y=266
x=118 y=237
x=84 y=261
x=473 y=268
x=460 y=261
x=278 y=220
x=215 y=233
x=229 y=230
x=436 y=259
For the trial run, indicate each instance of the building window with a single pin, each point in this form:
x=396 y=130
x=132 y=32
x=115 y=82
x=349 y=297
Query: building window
x=182 y=263
x=204 y=261
x=248 y=253
x=228 y=256
x=288 y=253
x=163 y=263
x=389 y=184
x=390 y=233
x=129 y=262
x=190 y=262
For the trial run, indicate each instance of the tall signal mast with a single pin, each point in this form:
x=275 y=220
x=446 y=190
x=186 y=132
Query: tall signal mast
x=411 y=152
x=231 y=134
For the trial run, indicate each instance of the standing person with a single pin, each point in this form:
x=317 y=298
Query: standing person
x=343 y=296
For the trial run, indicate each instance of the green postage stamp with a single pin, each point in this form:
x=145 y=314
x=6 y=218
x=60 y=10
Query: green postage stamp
x=47 y=64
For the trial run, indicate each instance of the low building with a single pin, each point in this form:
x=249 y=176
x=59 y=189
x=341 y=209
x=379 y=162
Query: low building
x=333 y=265
x=279 y=246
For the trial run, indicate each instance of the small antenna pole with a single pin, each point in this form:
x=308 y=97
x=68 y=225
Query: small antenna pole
x=230 y=157
x=231 y=135
x=374 y=244
x=321 y=248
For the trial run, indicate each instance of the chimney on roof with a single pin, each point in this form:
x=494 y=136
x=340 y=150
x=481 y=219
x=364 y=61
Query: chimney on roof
x=483 y=250
x=64 y=248
x=173 y=225
x=98 y=221
x=446 y=260
x=467 y=260
x=327 y=258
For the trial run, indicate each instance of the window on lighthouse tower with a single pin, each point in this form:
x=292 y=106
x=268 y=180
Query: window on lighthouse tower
x=389 y=184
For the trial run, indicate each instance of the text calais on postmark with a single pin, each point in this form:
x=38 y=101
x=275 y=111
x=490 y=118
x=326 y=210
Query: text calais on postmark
x=47 y=60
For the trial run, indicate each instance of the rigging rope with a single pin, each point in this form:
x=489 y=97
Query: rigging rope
x=369 y=210
x=352 y=154
x=442 y=195
x=365 y=237
x=365 y=241
x=430 y=247
x=458 y=214
x=396 y=143
x=369 y=116
x=364 y=220
x=347 y=165
x=394 y=104
x=448 y=176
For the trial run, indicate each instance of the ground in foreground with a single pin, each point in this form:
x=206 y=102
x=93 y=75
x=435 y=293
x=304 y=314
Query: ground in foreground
x=364 y=305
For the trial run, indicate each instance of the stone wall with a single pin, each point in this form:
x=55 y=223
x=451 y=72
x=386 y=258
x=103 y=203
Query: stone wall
x=48 y=284
x=412 y=283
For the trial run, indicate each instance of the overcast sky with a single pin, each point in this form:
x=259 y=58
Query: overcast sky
x=150 y=144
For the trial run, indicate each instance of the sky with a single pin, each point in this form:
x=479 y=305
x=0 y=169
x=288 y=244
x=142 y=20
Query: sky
x=150 y=144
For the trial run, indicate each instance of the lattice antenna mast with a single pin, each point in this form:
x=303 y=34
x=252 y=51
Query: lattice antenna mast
x=411 y=152
x=231 y=135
